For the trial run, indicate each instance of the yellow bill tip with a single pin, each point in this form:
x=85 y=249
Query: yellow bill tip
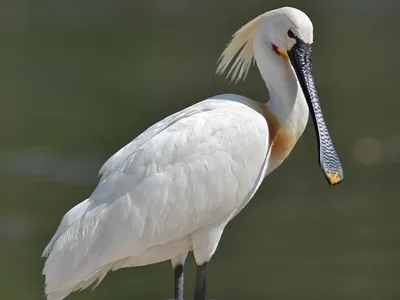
x=333 y=177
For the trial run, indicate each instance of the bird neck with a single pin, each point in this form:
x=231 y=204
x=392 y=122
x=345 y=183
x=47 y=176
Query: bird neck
x=287 y=102
x=286 y=111
x=289 y=108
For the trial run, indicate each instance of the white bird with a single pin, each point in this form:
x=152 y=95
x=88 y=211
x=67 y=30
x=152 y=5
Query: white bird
x=175 y=187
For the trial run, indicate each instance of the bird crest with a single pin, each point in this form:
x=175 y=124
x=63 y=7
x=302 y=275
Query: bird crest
x=241 y=46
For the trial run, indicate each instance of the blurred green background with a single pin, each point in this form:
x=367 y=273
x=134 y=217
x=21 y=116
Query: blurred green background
x=80 y=79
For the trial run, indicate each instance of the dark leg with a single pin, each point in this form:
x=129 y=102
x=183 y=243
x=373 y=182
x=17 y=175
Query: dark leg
x=178 y=288
x=201 y=281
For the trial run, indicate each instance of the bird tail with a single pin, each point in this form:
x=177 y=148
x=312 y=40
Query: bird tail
x=81 y=252
x=69 y=218
x=93 y=280
x=58 y=295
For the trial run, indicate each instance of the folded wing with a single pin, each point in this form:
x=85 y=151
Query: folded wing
x=189 y=170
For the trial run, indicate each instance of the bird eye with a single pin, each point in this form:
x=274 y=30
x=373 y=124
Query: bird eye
x=290 y=34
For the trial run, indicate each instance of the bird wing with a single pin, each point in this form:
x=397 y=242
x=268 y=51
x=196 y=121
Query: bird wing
x=115 y=161
x=188 y=171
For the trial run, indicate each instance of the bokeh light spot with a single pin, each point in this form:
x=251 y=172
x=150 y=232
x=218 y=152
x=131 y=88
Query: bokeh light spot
x=367 y=151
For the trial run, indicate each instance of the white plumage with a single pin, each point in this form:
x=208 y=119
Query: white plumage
x=174 y=188
x=184 y=177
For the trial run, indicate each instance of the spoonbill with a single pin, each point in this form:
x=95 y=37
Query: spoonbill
x=174 y=188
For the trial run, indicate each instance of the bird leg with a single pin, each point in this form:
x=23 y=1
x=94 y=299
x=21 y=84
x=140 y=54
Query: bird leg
x=201 y=281
x=178 y=282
